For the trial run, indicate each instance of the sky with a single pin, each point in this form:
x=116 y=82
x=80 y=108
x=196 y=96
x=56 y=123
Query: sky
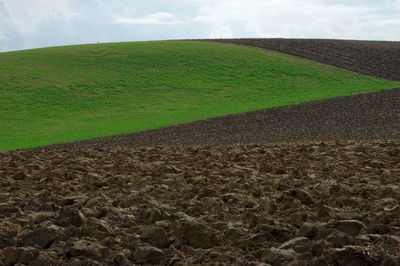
x=26 y=24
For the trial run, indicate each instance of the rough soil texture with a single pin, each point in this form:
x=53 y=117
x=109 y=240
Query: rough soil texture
x=367 y=116
x=376 y=58
x=332 y=203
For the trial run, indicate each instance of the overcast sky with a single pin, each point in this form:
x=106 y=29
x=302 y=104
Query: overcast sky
x=39 y=23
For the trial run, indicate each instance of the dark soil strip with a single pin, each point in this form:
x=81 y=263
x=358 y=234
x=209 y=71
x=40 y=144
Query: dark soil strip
x=375 y=58
x=367 y=116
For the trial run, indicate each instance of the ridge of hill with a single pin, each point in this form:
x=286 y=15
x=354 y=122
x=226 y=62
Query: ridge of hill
x=373 y=115
x=375 y=58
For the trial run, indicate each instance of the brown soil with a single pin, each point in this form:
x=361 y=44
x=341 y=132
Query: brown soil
x=333 y=203
x=375 y=58
x=367 y=116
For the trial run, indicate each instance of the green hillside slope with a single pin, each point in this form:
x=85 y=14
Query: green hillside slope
x=62 y=94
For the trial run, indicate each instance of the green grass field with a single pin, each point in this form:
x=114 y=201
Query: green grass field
x=62 y=94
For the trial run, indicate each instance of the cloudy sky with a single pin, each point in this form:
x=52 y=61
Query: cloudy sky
x=39 y=23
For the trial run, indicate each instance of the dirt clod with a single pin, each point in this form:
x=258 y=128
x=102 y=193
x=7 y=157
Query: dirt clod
x=148 y=254
x=42 y=237
x=88 y=248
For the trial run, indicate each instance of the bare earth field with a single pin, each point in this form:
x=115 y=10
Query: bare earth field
x=320 y=203
x=310 y=184
x=376 y=58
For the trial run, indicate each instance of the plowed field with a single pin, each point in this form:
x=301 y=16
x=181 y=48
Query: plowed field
x=334 y=203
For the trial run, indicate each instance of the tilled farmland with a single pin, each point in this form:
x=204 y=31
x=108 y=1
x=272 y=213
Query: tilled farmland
x=319 y=203
x=376 y=58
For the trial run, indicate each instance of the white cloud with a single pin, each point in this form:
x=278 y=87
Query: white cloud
x=26 y=15
x=159 y=18
x=288 y=18
x=396 y=4
x=220 y=31
x=6 y=26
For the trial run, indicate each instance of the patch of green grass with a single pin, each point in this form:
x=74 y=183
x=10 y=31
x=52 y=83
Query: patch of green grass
x=62 y=94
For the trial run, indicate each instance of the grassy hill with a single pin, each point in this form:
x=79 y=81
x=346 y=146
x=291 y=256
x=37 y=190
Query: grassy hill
x=61 y=94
